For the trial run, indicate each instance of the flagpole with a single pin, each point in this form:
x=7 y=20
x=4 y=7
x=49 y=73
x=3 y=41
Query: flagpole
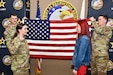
x=38 y=11
x=82 y=13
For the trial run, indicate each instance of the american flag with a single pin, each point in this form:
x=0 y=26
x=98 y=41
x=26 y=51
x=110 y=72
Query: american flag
x=51 y=39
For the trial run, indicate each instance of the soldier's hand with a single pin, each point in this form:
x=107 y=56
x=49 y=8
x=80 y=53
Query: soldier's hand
x=5 y=33
x=23 y=19
x=92 y=18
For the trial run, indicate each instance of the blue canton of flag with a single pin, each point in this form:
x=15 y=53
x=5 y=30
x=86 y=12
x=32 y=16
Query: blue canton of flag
x=38 y=29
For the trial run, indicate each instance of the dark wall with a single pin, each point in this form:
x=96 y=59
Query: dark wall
x=8 y=7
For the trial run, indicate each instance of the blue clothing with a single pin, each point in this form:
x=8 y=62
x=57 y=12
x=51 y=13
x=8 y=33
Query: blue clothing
x=81 y=54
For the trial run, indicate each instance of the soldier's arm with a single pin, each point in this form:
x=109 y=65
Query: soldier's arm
x=26 y=61
x=13 y=47
x=6 y=33
x=97 y=28
x=108 y=32
x=7 y=36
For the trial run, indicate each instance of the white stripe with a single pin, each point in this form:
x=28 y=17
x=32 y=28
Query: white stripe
x=52 y=47
x=51 y=53
x=63 y=30
x=90 y=29
x=62 y=24
x=89 y=22
x=63 y=36
x=51 y=42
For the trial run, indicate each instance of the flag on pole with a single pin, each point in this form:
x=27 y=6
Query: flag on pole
x=38 y=66
x=38 y=11
x=39 y=60
x=82 y=13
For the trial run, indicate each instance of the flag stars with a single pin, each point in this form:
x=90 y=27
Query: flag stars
x=47 y=33
x=42 y=37
x=38 y=29
x=42 y=21
x=33 y=21
x=35 y=35
x=47 y=29
x=37 y=21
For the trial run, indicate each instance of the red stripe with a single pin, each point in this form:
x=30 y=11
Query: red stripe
x=34 y=44
x=51 y=50
x=68 y=33
x=52 y=57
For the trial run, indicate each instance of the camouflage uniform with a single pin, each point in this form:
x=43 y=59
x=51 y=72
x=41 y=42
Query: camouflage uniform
x=100 y=57
x=10 y=30
x=20 y=56
x=9 y=33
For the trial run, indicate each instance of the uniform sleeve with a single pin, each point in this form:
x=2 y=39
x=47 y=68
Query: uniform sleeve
x=7 y=37
x=108 y=32
x=97 y=28
x=26 y=61
x=6 y=33
x=13 y=47
x=9 y=32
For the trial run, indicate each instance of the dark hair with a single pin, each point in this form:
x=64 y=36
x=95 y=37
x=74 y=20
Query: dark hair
x=19 y=26
x=105 y=16
x=13 y=14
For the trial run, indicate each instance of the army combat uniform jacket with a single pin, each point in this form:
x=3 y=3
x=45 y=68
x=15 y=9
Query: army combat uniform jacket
x=10 y=30
x=100 y=39
x=19 y=55
x=100 y=44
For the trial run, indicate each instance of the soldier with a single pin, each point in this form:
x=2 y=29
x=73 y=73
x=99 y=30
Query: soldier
x=100 y=40
x=19 y=52
x=10 y=29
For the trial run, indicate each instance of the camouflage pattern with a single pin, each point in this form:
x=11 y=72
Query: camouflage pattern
x=10 y=32
x=20 y=56
x=109 y=65
x=100 y=40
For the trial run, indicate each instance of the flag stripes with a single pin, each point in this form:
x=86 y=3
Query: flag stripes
x=61 y=40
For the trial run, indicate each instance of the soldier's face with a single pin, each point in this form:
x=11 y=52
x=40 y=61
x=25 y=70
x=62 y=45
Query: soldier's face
x=102 y=21
x=24 y=30
x=13 y=19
